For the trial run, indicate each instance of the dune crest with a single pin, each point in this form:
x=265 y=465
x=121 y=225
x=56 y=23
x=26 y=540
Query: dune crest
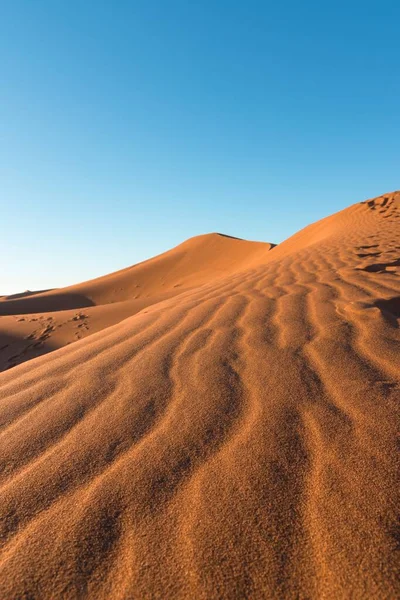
x=35 y=323
x=235 y=440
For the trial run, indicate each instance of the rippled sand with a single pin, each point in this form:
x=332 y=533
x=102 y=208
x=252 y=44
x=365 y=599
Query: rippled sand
x=234 y=438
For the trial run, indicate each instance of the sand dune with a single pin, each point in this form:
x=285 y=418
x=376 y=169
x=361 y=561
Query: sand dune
x=236 y=439
x=198 y=260
x=35 y=323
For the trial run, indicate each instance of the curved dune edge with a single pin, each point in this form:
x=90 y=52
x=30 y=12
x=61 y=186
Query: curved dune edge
x=35 y=323
x=237 y=440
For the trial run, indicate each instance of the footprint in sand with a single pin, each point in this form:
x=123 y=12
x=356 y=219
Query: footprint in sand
x=79 y=317
x=46 y=332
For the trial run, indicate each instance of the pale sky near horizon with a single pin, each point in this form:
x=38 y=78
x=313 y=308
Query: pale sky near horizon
x=127 y=127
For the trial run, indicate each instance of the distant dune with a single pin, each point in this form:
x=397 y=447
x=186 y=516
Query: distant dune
x=39 y=322
x=219 y=421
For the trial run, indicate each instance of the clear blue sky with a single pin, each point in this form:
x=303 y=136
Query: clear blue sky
x=127 y=127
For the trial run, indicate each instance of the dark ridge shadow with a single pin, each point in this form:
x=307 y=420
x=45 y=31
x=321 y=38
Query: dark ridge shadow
x=232 y=237
x=42 y=304
x=390 y=308
x=25 y=294
x=366 y=254
x=380 y=267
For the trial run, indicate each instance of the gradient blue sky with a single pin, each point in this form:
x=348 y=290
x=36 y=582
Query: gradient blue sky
x=127 y=127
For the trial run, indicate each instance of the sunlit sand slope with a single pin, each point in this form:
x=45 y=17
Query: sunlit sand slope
x=236 y=441
x=35 y=323
x=196 y=261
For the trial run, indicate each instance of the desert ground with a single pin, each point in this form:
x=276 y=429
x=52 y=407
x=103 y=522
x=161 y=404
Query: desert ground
x=218 y=422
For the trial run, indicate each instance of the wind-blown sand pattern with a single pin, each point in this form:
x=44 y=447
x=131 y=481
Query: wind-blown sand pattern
x=35 y=323
x=234 y=440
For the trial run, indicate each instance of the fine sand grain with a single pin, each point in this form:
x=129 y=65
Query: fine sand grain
x=225 y=428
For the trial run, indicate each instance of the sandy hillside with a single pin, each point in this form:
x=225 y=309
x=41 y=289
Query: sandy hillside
x=237 y=440
x=35 y=323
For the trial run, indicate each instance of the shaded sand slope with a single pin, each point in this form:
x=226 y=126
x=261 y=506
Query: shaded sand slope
x=238 y=441
x=32 y=324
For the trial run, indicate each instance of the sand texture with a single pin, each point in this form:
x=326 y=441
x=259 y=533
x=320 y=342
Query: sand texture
x=35 y=323
x=226 y=426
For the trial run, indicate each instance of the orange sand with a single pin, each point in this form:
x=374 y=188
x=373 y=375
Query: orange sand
x=225 y=429
x=34 y=323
